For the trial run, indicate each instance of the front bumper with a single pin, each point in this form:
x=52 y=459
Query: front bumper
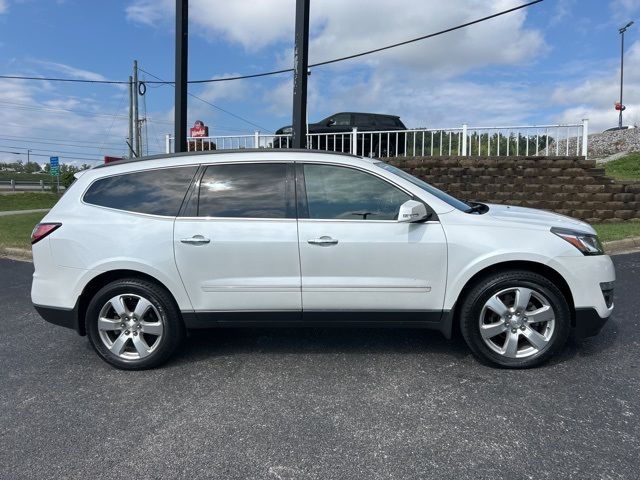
x=588 y=322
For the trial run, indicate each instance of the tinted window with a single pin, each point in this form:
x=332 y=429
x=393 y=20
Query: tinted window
x=342 y=119
x=387 y=122
x=158 y=192
x=361 y=120
x=250 y=190
x=345 y=193
x=445 y=197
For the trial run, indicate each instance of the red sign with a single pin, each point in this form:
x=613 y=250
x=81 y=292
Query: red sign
x=199 y=129
x=619 y=106
x=112 y=159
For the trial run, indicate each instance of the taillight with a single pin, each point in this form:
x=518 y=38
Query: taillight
x=41 y=230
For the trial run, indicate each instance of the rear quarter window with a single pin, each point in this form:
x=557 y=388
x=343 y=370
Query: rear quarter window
x=155 y=192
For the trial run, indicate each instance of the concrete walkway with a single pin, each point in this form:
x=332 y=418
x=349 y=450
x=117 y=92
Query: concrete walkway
x=19 y=212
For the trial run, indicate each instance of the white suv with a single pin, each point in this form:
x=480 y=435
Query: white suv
x=136 y=252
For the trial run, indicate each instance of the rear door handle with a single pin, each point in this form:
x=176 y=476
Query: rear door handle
x=196 y=240
x=323 y=241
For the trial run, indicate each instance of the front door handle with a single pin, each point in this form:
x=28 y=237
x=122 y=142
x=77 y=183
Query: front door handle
x=196 y=240
x=323 y=241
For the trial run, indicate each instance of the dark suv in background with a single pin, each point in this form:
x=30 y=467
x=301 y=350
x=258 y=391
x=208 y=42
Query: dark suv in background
x=339 y=126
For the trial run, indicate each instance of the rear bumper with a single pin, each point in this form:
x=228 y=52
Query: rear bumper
x=588 y=322
x=61 y=316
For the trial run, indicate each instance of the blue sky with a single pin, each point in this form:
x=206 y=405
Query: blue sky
x=556 y=62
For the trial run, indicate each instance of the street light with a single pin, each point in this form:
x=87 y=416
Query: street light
x=621 y=105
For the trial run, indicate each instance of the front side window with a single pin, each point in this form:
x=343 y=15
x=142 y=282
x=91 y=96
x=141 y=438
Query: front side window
x=348 y=194
x=343 y=119
x=249 y=190
x=157 y=192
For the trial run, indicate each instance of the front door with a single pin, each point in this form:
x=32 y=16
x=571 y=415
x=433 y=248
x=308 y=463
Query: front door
x=236 y=248
x=354 y=253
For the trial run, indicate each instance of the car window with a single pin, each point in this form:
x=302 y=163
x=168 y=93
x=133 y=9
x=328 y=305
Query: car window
x=386 y=122
x=348 y=194
x=250 y=190
x=157 y=192
x=360 y=119
x=342 y=119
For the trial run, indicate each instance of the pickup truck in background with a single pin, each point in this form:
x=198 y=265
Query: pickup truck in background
x=334 y=133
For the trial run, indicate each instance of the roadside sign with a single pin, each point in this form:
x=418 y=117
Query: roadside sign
x=55 y=166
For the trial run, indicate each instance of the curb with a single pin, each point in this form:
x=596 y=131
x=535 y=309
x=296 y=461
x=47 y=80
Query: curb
x=627 y=245
x=13 y=253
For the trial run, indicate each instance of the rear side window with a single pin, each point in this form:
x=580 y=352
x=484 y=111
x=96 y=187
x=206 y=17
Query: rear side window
x=250 y=190
x=388 y=122
x=156 y=192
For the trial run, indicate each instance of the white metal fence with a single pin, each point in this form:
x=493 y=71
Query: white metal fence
x=533 y=140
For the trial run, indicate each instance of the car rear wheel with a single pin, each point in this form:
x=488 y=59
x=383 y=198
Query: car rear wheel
x=134 y=324
x=515 y=319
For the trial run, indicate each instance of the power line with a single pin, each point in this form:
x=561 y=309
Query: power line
x=47 y=156
x=75 y=144
x=209 y=103
x=49 y=150
x=286 y=70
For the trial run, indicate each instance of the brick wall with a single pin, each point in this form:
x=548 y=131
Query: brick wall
x=568 y=185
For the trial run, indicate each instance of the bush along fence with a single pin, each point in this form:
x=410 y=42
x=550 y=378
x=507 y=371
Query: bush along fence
x=570 y=186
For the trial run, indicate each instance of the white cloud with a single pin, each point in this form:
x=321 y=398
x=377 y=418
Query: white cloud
x=4 y=6
x=625 y=6
x=70 y=71
x=339 y=28
x=595 y=96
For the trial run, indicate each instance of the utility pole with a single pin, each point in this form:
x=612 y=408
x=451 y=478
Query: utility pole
x=130 y=138
x=621 y=31
x=300 y=67
x=182 y=50
x=136 y=120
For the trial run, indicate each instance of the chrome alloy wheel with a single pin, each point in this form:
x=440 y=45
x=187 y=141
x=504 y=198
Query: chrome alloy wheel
x=517 y=322
x=130 y=326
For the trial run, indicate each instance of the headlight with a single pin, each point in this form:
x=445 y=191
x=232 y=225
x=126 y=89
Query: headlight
x=585 y=242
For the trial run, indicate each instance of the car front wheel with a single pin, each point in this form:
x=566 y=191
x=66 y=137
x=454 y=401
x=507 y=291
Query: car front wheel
x=134 y=324
x=515 y=319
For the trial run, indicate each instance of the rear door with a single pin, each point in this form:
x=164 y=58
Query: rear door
x=236 y=243
x=354 y=253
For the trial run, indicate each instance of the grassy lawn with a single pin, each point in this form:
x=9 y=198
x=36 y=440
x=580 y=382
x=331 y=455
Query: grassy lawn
x=617 y=231
x=27 y=201
x=26 y=177
x=625 y=168
x=15 y=230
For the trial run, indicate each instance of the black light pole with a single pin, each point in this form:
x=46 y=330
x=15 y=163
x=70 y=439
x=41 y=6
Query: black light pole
x=182 y=43
x=300 y=67
x=622 y=30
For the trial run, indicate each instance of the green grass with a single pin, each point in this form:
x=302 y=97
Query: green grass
x=15 y=230
x=617 y=231
x=27 y=201
x=25 y=177
x=624 y=168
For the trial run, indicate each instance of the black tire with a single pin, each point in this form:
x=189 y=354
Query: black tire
x=487 y=287
x=164 y=312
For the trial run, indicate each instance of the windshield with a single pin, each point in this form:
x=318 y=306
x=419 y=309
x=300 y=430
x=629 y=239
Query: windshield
x=445 y=197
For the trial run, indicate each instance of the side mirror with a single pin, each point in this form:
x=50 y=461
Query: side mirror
x=412 y=211
x=331 y=122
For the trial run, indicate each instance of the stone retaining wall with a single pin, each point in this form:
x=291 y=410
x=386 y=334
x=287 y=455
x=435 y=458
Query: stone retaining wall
x=568 y=185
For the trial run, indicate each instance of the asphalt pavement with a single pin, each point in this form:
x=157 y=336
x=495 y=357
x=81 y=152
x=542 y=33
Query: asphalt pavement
x=316 y=404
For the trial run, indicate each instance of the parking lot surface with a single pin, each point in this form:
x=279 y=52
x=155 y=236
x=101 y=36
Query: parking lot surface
x=316 y=404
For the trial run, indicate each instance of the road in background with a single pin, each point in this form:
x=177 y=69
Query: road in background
x=316 y=404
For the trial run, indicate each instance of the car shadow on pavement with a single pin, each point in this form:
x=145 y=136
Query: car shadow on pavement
x=202 y=344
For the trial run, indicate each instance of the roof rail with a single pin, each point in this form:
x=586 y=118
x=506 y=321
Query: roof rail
x=219 y=152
